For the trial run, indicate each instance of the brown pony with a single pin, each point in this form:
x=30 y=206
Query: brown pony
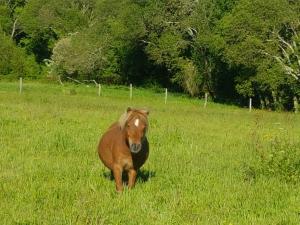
x=124 y=147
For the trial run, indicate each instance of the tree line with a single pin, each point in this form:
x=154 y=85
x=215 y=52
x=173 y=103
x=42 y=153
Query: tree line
x=229 y=49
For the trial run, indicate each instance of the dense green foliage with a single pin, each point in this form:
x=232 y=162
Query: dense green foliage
x=231 y=49
x=218 y=165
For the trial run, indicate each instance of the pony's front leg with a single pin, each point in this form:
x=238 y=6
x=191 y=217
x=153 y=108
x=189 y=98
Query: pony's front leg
x=117 y=171
x=131 y=178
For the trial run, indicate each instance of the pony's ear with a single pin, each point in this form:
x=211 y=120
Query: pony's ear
x=145 y=111
x=128 y=109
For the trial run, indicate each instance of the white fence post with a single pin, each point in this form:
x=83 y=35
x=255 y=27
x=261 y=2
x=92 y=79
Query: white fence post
x=59 y=80
x=166 y=95
x=296 y=104
x=99 y=89
x=130 y=93
x=21 y=85
x=250 y=104
x=205 y=101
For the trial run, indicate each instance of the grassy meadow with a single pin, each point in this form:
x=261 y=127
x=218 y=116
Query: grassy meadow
x=219 y=165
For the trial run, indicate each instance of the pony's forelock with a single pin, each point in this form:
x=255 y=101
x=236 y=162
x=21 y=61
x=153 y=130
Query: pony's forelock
x=123 y=119
x=126 y=116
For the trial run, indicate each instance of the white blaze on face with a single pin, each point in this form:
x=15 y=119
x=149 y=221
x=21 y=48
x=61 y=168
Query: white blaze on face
x=136 y=122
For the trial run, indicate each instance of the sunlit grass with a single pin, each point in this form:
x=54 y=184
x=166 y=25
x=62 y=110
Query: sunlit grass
x=196 y=173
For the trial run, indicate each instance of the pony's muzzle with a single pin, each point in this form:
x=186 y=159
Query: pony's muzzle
x=135 y=148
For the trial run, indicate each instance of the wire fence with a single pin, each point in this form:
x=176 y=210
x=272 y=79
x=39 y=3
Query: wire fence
x=100 y=88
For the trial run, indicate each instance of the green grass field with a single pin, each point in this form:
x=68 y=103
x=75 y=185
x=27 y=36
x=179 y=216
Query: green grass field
x=219 y=165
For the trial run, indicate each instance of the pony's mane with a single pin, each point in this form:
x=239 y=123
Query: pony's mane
x=128 y=115
x=123 y=119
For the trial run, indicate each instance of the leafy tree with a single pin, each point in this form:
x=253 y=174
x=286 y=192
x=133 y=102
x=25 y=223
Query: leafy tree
x=103 y=50
x=5 y=20
x=45 y=22
x=165 y=44
x=78 y=55
x=231 y=49
x=14 y=61
x=124 y=32
x=247 y=33
x=9 y=16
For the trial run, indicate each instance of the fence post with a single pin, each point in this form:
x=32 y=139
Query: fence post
x=21 y=85
x=99 y=89
x=166 y=95
x=130 y=93
x=250 y=104
x=205 y=101
x=59 y=80
x=296 y=104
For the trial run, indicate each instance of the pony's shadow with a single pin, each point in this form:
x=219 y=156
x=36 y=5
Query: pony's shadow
x=142 y=176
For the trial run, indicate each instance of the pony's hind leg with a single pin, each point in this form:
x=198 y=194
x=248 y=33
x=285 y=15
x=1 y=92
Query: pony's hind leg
x=131 y=177
x=117 y=171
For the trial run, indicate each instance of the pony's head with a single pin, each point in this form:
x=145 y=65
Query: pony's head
x=134 y=123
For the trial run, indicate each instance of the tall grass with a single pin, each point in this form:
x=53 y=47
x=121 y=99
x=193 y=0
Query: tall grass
x=275 y=155
x=205 y=165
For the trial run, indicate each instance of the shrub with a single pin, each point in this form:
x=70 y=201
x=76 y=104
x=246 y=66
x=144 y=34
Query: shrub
x=188 y=78
x=14 y=61
x=280 y=158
